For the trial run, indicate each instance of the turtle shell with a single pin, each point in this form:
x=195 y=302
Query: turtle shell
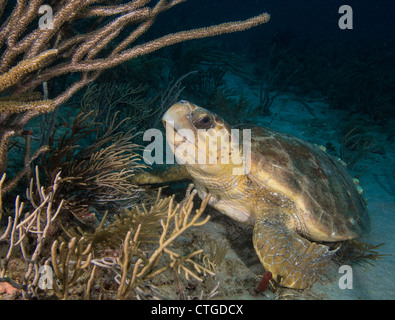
x=328 y=204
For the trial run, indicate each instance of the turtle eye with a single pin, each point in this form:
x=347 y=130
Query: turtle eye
x=203 y=122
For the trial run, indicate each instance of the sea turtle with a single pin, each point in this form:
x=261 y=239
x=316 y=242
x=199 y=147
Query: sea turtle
x=301 y=201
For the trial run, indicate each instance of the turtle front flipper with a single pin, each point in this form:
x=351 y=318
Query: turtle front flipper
x=285 y=253
x=174 y=173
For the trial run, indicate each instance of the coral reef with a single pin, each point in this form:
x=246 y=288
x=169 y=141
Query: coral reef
x=71 y=266
x=85 y=172
x=33 y=225
x=33 y=55
x=97 y=163
x=15 y=113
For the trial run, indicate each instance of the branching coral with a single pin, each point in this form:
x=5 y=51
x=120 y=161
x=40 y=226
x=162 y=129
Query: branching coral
x=69 y=264
x=33 y=55
x=145 y=240
x=112 y=236
x=141 y=259
x=134 y=267
x=97 y=175
x=15 y=113
x=214 y=255
x=83 y=52
x=111 y=97
x=359 y=253
x=12 y=76
x=34 y=224
x=355 y=141
x=78 y=179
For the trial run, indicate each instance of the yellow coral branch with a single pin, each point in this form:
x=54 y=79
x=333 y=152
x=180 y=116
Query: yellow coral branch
x=28 y=96
x=14 y=106
x=24 y=67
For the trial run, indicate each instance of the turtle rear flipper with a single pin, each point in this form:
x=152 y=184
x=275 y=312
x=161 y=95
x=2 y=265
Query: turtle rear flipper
x=285 y=253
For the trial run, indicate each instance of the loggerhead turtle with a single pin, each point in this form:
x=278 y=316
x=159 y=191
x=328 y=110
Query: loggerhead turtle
x=300 y=200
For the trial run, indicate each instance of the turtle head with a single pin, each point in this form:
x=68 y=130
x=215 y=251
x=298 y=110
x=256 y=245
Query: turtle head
x=186 y=115
x=205 y=144
x=199 y=138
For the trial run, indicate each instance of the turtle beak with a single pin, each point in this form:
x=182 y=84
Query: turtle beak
x=179 y=115
x=177 y=118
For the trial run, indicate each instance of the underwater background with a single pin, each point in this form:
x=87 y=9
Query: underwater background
x=299 y=73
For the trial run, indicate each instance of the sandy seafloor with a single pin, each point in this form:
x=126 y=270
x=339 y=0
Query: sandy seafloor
x=240 y=271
